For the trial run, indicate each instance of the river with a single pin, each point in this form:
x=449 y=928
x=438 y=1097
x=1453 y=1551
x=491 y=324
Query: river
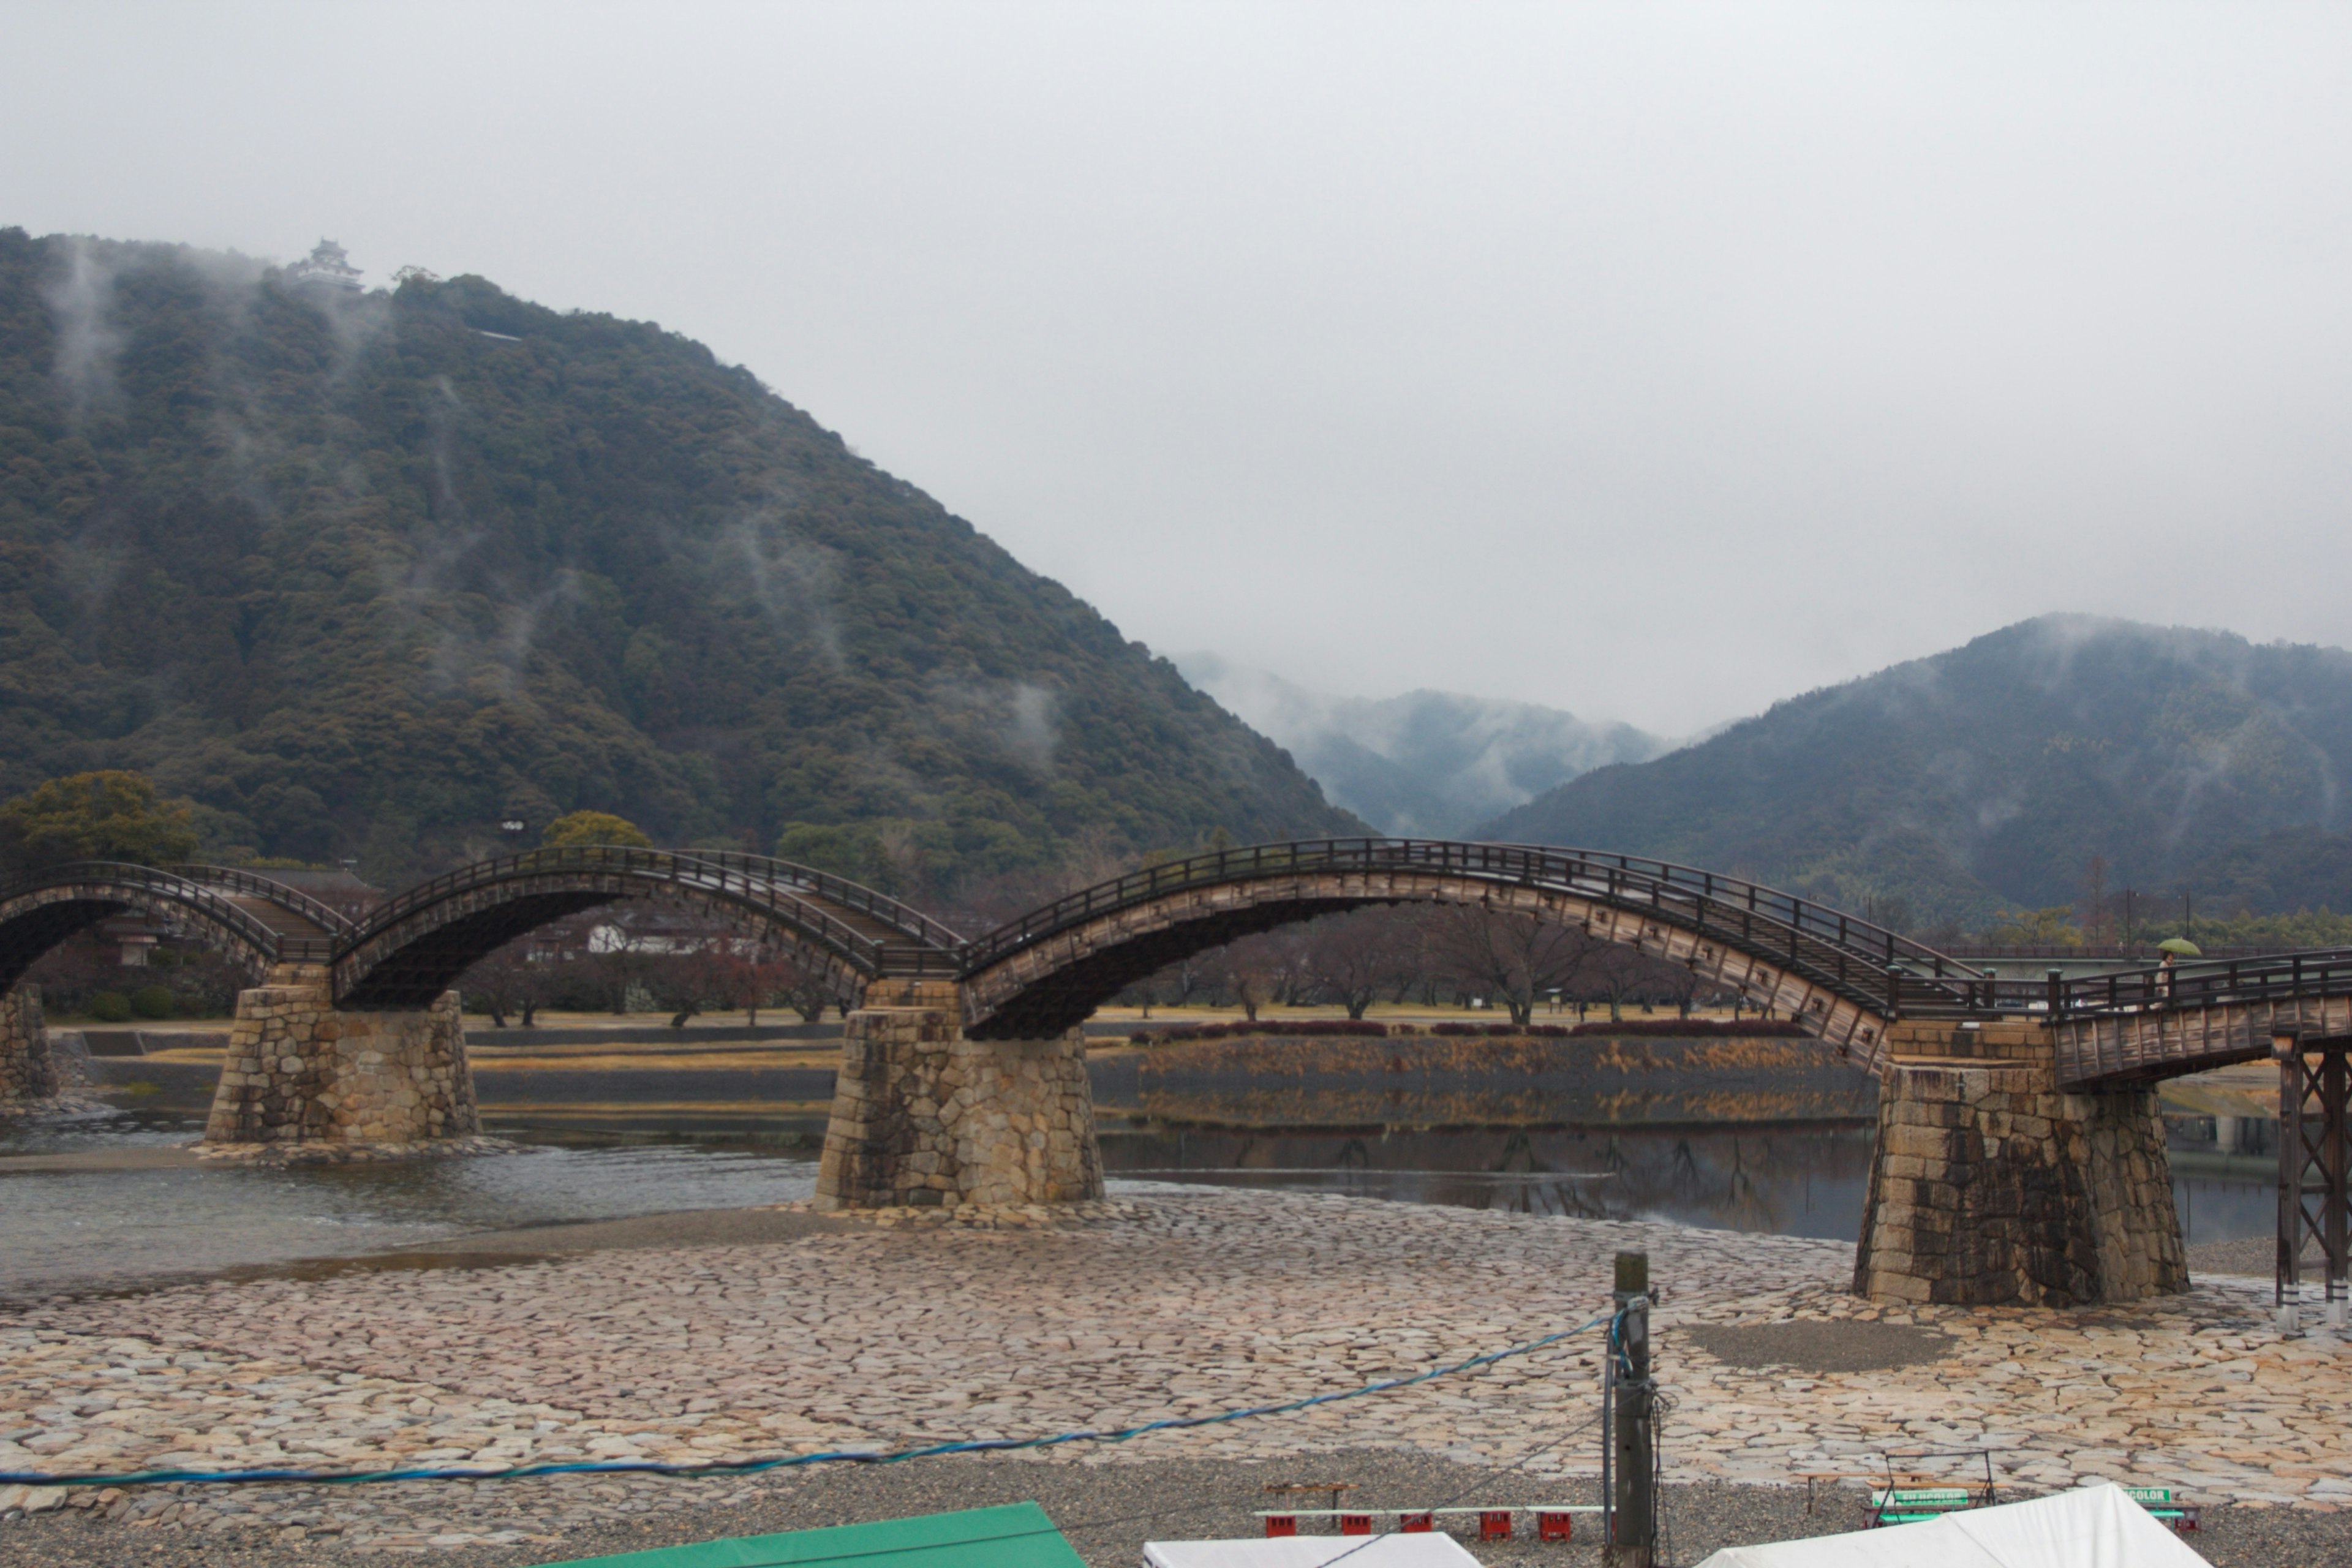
x=116 y=1223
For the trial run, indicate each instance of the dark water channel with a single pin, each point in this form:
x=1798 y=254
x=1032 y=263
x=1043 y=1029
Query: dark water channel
x=1785 y=1180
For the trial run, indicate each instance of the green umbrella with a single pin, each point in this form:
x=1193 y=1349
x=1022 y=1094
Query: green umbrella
x=2182 y=946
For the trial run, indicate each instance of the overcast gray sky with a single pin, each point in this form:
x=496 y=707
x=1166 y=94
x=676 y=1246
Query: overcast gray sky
x=1650 y=360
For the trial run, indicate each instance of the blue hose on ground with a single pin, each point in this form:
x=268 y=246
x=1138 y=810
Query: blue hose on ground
x=789 y=1461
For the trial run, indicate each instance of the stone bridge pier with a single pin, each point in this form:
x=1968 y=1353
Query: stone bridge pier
x=1990 y=1187
x=304 y=1080
x=28 y=1074
x=922 y=1116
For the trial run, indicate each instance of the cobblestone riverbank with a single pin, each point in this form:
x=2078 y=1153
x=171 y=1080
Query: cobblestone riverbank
x=1165 y=1302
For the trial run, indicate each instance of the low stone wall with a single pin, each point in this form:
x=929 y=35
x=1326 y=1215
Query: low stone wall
x=298 y=1071
x=1988 y=1187
x=29 y=1072
x=923 y=1116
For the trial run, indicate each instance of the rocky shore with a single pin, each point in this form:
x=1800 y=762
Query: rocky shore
x=852 y=1335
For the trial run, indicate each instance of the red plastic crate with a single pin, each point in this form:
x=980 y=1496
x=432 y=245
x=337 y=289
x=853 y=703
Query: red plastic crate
x=1495 y=1525
x=1355 y=1524
x=1555 y=1527
x=1281 y=1524
x=1416 y=1523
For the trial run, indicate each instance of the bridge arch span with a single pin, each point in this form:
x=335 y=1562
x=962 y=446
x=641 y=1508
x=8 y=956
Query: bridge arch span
x=413 y=948
x=256 y=923
x=1836 y=975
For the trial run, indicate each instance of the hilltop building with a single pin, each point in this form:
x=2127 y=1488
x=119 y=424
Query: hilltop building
x=327 y=263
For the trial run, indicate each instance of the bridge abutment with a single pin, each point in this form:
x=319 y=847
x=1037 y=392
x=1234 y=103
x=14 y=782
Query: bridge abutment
x=303 y=1080
x=922 y=1116
x=1989 y=1187
x=28 y=1073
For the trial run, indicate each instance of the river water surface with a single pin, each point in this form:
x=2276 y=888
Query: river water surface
x=114 y=1223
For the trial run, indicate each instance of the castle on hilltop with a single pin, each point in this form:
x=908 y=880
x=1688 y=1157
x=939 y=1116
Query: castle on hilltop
x=328 y=263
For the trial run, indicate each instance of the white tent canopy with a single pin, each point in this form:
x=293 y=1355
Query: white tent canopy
x=2092 y=1527
x=1426 y=1549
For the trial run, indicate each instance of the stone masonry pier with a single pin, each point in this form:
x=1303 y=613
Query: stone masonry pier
x=302 y=1079
x=28 y=1073
x=922 y=1116
x=1989 y=1187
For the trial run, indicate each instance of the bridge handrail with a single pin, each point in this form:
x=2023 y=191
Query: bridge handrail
x=681 y=868
x=2314 y=972
x=156 y=878
x=1854 y=956
x=1819 y=921
x=331 y=921
x=904 y=918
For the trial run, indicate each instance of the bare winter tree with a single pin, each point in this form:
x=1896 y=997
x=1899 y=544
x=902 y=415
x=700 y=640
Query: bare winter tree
x=806 y=988
x=1610 y=972
x=2092 y=909
x=1512 y=956
x=1352 y=958
x=1254 y=972
x=507 y=981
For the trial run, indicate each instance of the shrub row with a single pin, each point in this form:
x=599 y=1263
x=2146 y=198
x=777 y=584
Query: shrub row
x=147 y=1001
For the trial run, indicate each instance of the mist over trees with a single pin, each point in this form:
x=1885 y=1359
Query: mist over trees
x=1952 y=792
x=362 y=574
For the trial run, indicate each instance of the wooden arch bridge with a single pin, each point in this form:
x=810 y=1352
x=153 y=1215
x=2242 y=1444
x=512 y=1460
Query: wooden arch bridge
x=2019 y=1155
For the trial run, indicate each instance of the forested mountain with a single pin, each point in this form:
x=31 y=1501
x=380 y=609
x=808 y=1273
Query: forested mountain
x=1429 y=763
x=1991 y=775
x=361 y=573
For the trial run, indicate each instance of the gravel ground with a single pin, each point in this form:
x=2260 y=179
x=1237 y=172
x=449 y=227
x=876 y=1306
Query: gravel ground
x=1109 y=1511
x=2255 y=1254
x=771 y=1330
x=1811 y=1345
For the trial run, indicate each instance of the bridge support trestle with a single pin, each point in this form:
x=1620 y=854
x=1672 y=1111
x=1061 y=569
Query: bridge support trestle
x=922 y=1116
x=29 y=1072
x=303 y=1080
x=1988 y=1187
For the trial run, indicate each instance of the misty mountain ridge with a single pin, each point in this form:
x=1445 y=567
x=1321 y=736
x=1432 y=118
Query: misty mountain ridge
x=363 y=571
x=1428 y=764
x=1990 y=776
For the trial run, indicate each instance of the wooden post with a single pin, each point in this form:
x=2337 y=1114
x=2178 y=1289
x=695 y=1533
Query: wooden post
x=1632 y=1538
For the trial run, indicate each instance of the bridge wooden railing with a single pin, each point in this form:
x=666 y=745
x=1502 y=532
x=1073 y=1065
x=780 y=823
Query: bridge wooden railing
x=2271 y=977
x=1852 y=957
x=903 y=919
x=685 y=871
x=2276 y=977
x=165 y=883
x=293 y=947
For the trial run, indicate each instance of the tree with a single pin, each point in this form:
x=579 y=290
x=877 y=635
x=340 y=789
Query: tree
x=806 y=988
x=1353 y=957
x=512 y=979
x=1252 y=971
x=2093 y=908
x=2035 y=928
x=1609 y=971
x=108 y=815
x=1515 y=957
x=593 y=829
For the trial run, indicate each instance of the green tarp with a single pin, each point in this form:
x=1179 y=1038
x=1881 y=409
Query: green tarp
x=1018 y=1535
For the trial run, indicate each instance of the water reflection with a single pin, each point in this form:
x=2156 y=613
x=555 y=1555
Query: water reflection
x=109 y=1227
x=1807 y=1180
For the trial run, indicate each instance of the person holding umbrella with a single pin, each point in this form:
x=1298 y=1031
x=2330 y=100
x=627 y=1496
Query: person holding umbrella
x=2173 y=947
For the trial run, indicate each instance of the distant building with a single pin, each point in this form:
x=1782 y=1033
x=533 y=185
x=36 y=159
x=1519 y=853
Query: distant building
x=328 y=265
